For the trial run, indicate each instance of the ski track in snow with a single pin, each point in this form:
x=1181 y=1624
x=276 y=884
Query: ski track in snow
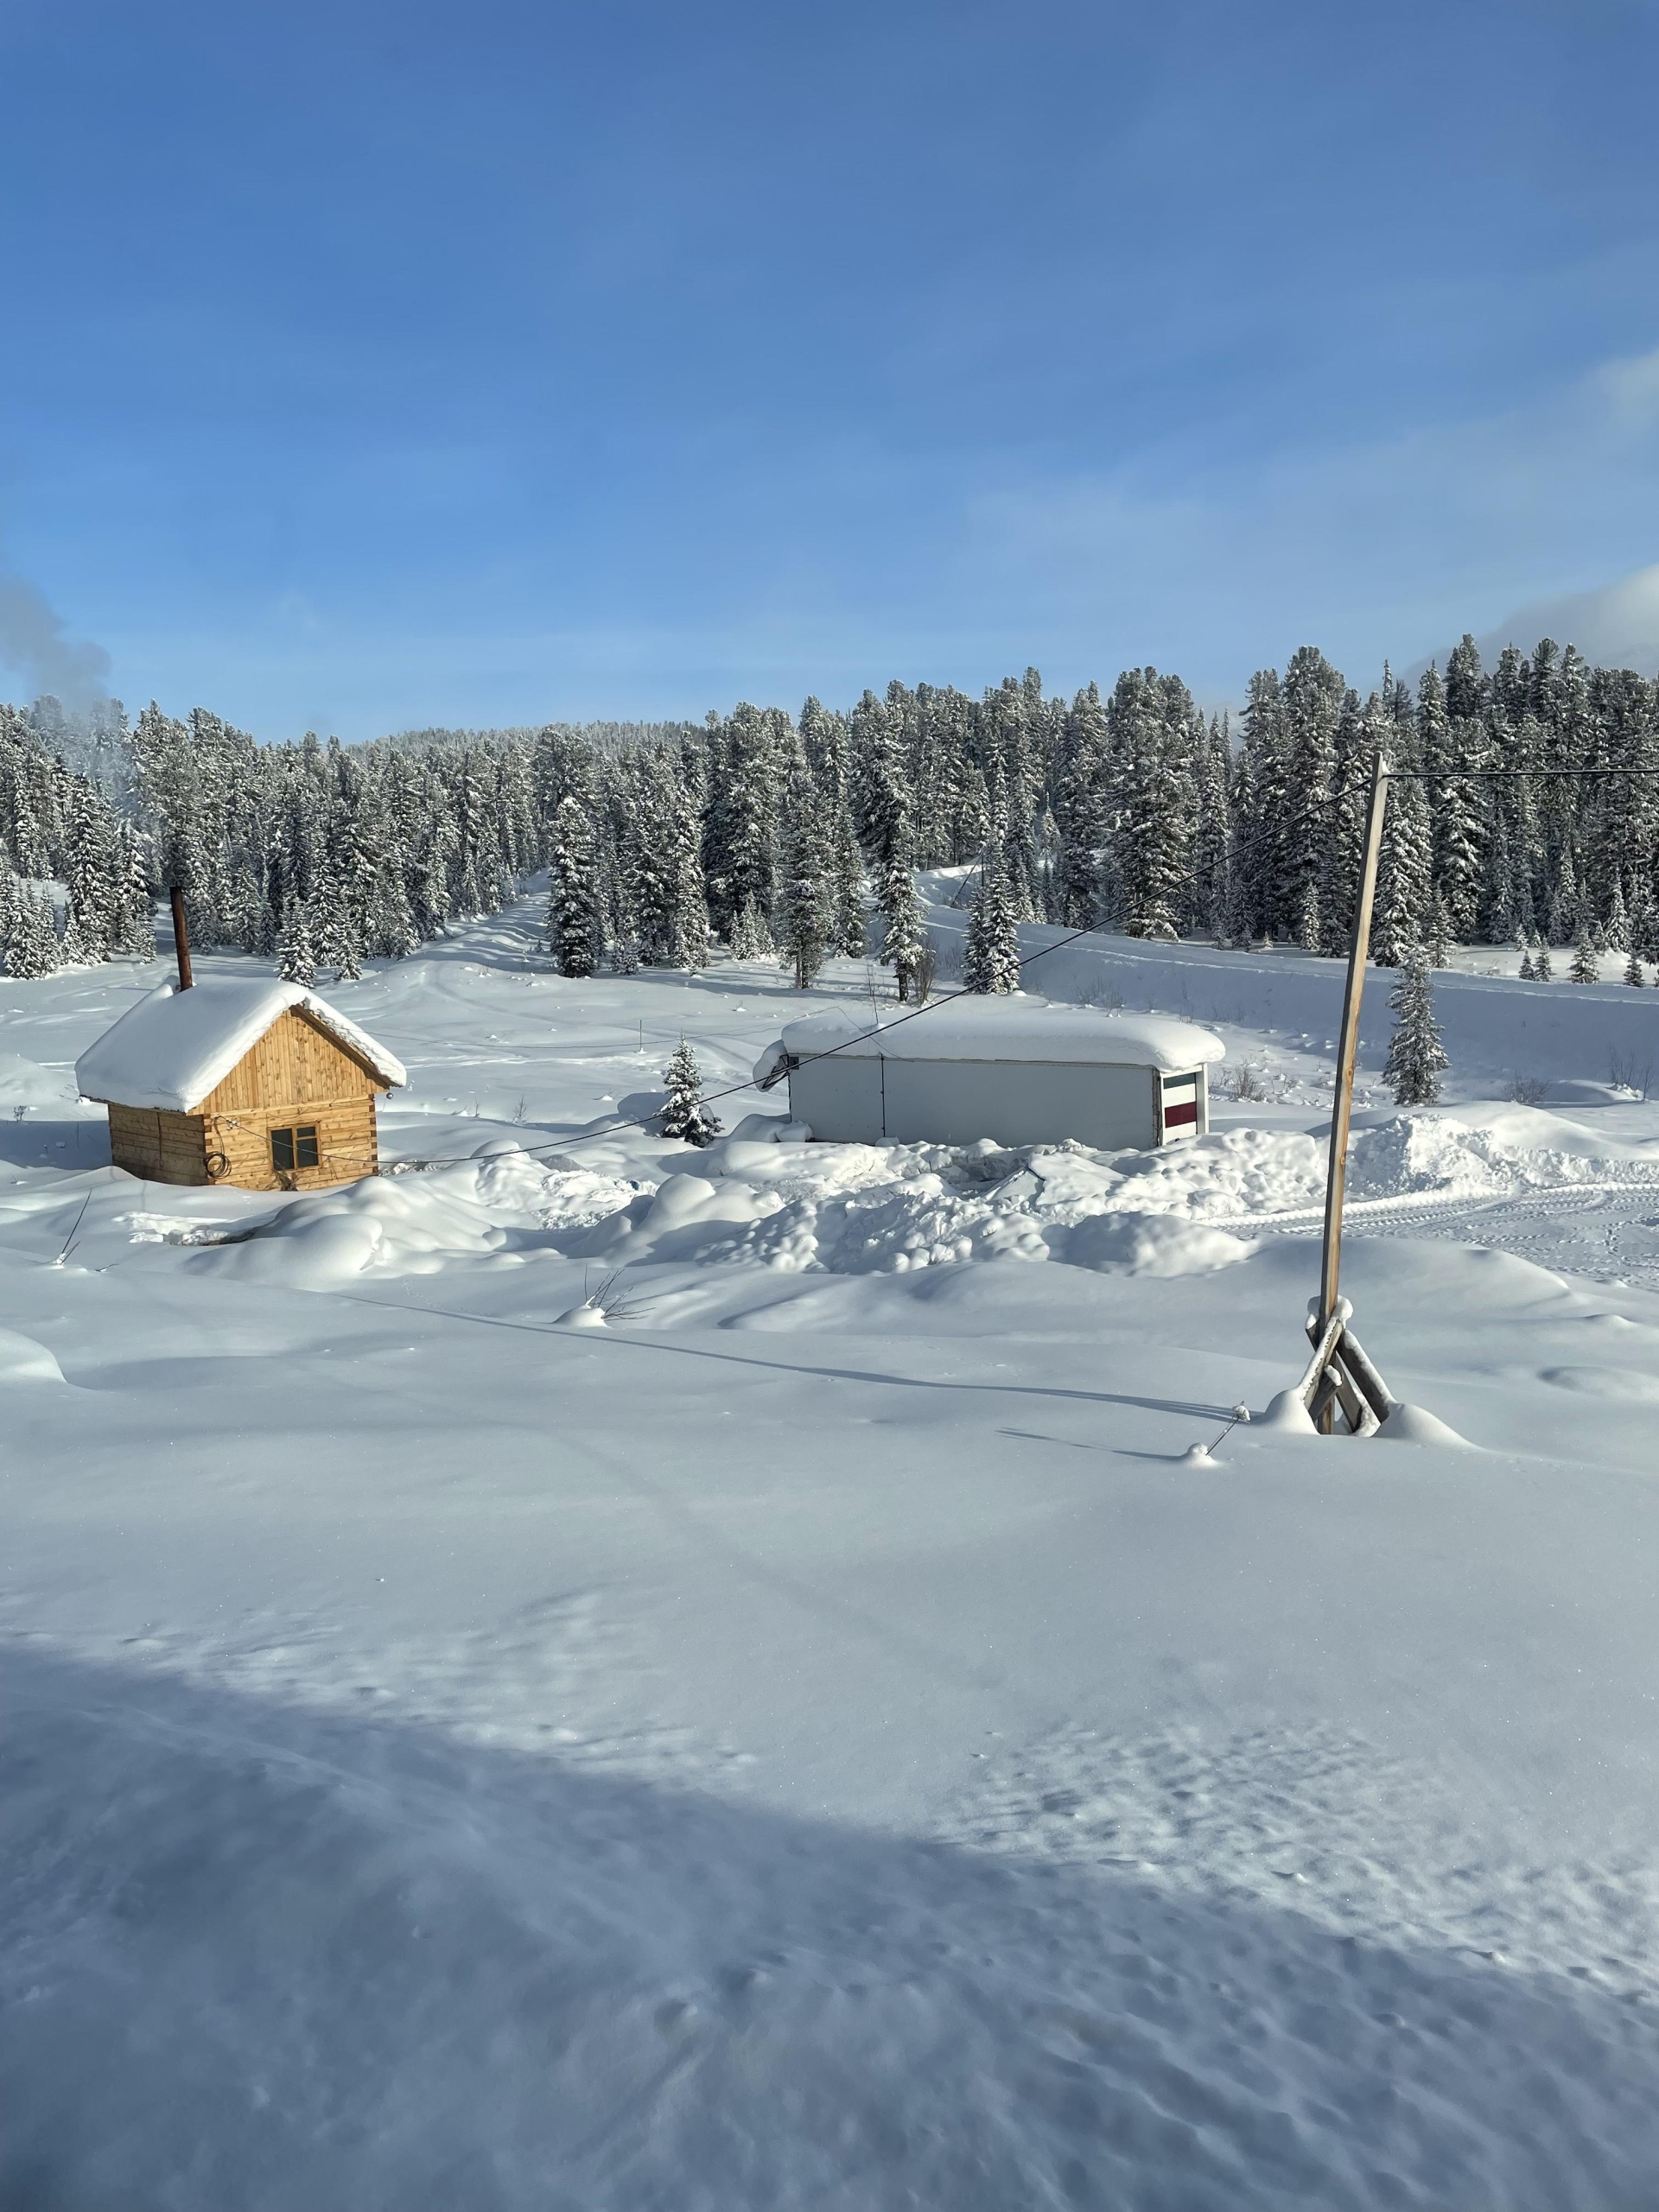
x=809 y=1741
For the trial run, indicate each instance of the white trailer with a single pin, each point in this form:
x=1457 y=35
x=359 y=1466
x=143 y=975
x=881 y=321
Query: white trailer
x=1014 y=1069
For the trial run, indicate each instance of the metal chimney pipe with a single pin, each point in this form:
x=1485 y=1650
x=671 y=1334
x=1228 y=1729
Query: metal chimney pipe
x=181 y=939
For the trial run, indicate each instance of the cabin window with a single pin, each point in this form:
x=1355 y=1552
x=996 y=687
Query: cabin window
x=291 y=1148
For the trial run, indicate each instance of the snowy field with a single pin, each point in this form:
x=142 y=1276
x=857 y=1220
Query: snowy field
x=807 y=1738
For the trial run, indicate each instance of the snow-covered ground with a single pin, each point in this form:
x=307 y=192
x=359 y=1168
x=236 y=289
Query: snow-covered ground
x=811 y=1738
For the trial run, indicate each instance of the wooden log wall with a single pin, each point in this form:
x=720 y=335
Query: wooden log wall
x=346 y=1144
x=160 y=1146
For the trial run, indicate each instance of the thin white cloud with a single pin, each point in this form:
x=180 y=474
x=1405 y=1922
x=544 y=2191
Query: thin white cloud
x=1617 y=627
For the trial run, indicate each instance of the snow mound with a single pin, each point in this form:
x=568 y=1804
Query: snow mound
x=23 y=1360
x=1479 y=1150
x=1415 y=1425
x=764 y=1196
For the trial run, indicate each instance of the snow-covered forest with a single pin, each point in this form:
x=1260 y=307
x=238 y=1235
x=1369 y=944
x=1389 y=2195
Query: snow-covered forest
x=1135 y=811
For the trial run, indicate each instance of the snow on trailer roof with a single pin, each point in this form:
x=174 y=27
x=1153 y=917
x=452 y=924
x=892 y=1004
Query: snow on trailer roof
x=175 y=1046
x=1005 y=1027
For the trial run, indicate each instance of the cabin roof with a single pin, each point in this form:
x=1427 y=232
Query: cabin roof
x=1009 y=1026
x=175 y=1046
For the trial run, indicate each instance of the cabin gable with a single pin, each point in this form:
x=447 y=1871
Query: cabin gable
x=294 y=1063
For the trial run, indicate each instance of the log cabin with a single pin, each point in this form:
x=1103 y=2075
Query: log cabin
x=247 y=1081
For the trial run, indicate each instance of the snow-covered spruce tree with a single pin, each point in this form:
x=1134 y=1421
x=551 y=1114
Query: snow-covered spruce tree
x=91 y=863
x=1079 y=801
x=1527 y=973
x=847 y=870
x=1633 y=973
x=904 y=941
x=296 y=958
x=10 y=901
x=688 y=931
x=1402 y=877
x=685 y=1116
x=135 y=932
x=990 y=960
x=751 y=939
x=749 y=757
x=1586 y=967
x=806 y=902
x=1616 y=930
x=1153 y=802
x=1543 y=970
x=1314 y=693
x=1416 y=1059
x=34 y=950
x=573 y=924
x=1436 y=944
x=333 y=941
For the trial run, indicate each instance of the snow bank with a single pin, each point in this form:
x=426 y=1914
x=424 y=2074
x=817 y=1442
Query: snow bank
x=762 y=1198
x=1488 y=1149
x=175 y=1046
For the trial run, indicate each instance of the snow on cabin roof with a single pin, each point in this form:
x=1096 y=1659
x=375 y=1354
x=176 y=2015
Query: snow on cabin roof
x=1005 y=1027
x=175 y=1046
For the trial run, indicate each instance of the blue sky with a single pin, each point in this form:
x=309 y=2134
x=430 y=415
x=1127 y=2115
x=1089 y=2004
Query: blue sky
x=368 y=366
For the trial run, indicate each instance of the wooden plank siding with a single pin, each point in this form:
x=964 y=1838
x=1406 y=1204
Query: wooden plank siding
x=158 y=1146
x=296 y=1077
x=294 y=1063
x=346 y=1144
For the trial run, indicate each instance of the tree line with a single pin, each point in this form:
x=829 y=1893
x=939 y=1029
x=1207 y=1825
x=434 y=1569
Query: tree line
x=776 y=832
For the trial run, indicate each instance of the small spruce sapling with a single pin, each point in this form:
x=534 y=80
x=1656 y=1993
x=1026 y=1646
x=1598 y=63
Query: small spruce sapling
x=1527 y=972
x=1543 y=969
x=684 y=1115
x=1633 y=973
x=1416 y=1056
x=1586 y=967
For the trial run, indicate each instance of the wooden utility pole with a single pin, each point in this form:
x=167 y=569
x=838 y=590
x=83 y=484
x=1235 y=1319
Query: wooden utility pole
x=181 y=939
x=1342 y=1104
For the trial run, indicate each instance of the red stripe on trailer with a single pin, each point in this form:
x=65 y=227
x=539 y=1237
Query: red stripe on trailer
x=1177 y=1117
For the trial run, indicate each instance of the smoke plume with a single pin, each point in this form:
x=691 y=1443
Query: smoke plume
x=32 y=641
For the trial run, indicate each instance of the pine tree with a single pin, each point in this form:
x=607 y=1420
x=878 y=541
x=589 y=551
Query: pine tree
x=1438 y=946
x=750 y=939
x=1616 y=933
x=33 y=951
x=1527 y=973
x=806 y=896
x=1543 y=969
x=1633 y=973
x=904 y=947
x=1586 y=969
x=1416 y=1057
x=136 y=934
x=991 y=954
x=297 y=961
x=685 y=1116
x=847 y=870
x=333 y=941
x=1402 y=877
x=572 y=920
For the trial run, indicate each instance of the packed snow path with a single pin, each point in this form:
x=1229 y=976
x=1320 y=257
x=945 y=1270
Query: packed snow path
x=808 y=1739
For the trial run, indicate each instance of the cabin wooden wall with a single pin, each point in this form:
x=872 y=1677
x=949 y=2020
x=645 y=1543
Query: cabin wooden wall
x=346 y=1144
x=294 y=1063
x=160 y=1146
